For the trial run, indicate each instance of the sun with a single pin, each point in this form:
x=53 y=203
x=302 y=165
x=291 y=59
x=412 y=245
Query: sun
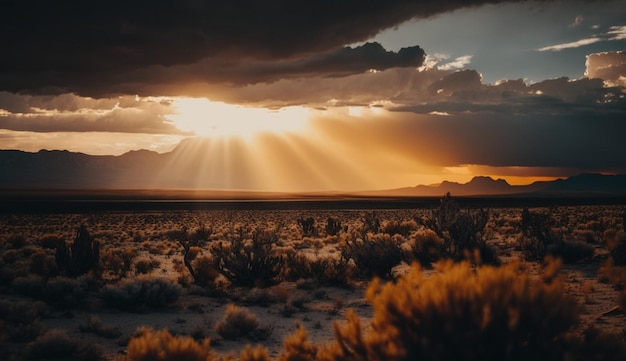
x=208 y=118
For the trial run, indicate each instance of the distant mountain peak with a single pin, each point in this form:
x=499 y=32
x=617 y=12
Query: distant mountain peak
x=486 y=180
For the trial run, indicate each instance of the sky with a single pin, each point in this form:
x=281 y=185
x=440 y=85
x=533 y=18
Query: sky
x=328 y=95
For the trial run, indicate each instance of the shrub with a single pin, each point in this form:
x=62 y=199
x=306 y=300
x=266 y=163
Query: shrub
x=50 y=241
x=43 y=264
x=461 y=231
x=249 y=262
x=403 y=228
x=573 y=251
x=299 y=348
x=66 y=292
x=250 y=353
x=333 y=226
x=539 y=240
x=22 y=320
x=192 y=243
x=371 y=223
x=116 y=263
x=537 y=235
x=617 y=246
x=94 y=325
x=463 y=314
x=32 y=286
x=307 y=226
x=205 y=271
x=16 y=241
x=57 y=345
x=427 y=247
x=137 y=295
x=163 y=346
x=237 y=322
x=144 y=266
x=326 y=271
x=373 y=255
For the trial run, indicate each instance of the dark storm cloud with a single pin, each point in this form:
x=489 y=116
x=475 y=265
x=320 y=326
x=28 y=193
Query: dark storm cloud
x=341 y=62
x=56 y=47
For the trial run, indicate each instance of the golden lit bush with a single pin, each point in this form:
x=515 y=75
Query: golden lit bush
x=237 y=322
x=463 y=314
x=403 y=228
x=250 y=353
x=299 y=348
x=163 y=346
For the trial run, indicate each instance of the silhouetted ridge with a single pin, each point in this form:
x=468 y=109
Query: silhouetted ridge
x=198 y=163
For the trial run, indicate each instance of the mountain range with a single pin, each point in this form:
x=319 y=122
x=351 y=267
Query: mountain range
x=145 y=169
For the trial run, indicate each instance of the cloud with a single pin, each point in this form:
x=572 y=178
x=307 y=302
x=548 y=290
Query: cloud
x=609 y=66
x=614 y=33
x=70 y=47
x=573 y=44
x=71 y=113
x=457 y=63
x=577 y=21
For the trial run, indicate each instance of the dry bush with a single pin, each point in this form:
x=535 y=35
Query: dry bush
x=323 y=271
x=205 y=272
x=373 y=255
x=66 y=292
x=144 y=266
x=465 y=314
x=237 y=322
x=161 y=345
x=116 y=263
x=94 y=325
x=248 y=258
x=21 y=320
x=299 y=348
x=427 y=247
x=192 y=243
x=616 y=243
x=333 y=226
x=50 y=241
x=371 y=223
x=307 y=226
x=57 y=345
x=403 y=228
x=540 y=238
x=461 y=231
x=43 y=264
x=258 y=353
x=140 y=294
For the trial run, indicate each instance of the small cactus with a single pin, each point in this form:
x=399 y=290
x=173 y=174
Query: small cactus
x=81 y=257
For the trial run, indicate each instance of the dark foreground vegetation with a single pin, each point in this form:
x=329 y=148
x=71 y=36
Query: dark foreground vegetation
x=445 y=282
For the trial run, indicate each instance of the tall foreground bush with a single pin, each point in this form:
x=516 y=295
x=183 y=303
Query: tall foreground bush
x=465 y=314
